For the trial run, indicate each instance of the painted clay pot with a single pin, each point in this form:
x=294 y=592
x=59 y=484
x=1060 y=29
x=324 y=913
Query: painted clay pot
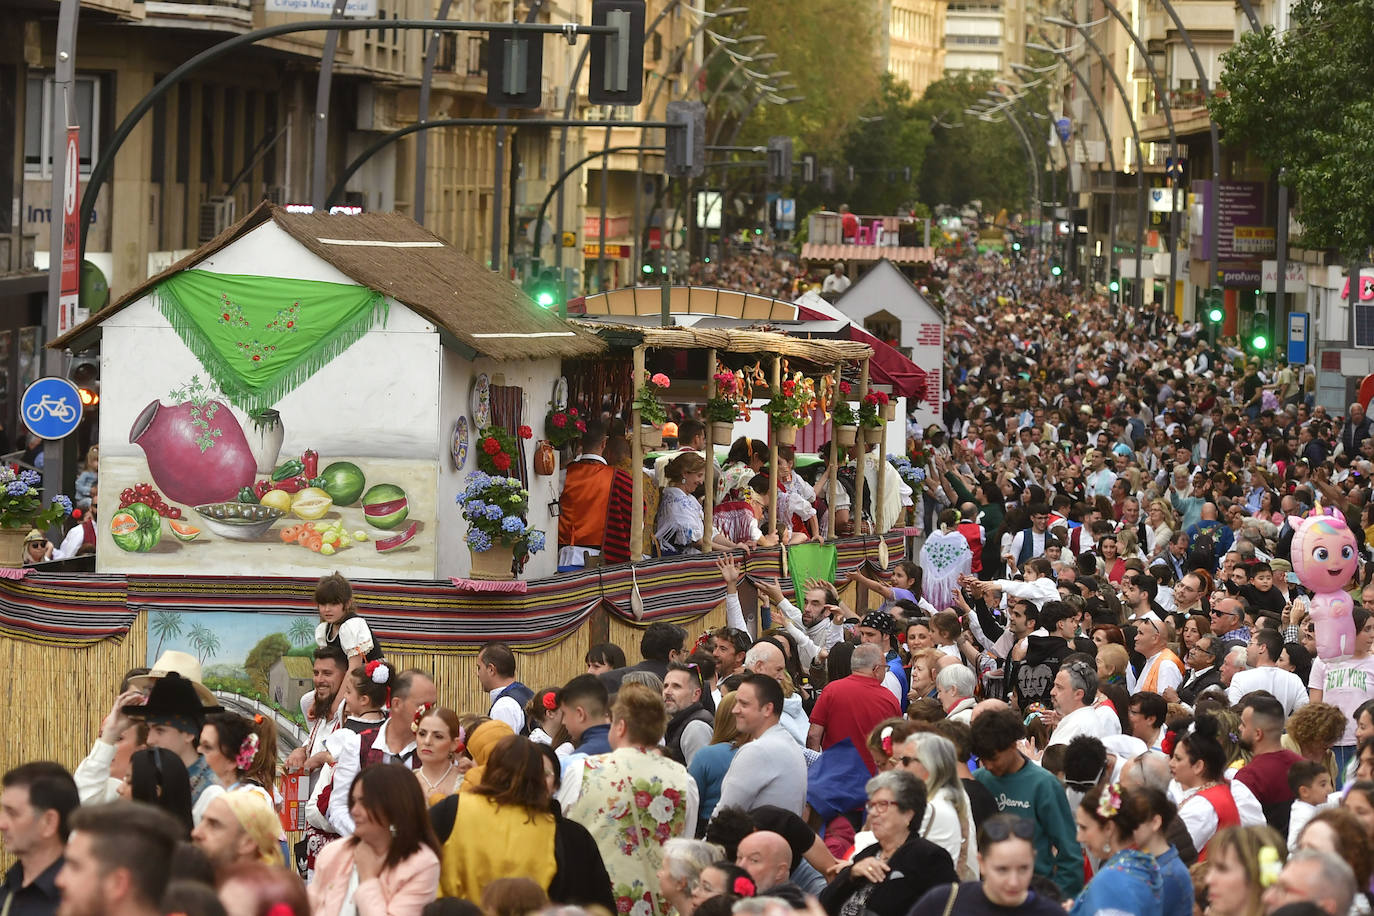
x=172 y=437
x=265 y=439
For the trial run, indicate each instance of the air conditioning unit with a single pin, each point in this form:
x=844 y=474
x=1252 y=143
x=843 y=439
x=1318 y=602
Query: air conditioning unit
x=216 y=215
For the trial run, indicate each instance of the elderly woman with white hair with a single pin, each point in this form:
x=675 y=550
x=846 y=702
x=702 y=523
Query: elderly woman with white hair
x=948 y=819
x=683 y=862
x=954 y=687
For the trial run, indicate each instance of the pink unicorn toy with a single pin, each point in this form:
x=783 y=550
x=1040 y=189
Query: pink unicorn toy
x=1324 y=557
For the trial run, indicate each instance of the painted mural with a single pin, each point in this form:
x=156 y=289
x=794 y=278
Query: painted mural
x=253 y=662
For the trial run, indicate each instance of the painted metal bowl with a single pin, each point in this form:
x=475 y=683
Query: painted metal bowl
x=239 y=521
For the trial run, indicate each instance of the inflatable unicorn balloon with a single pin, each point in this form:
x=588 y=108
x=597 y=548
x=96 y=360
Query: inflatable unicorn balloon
x=1324 y=558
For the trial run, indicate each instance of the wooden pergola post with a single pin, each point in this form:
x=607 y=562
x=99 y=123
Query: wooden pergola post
x=880 y=470
x=636 y=463
x=862 y=457
x=832 y=479
x=709 y=503
x=773 y=459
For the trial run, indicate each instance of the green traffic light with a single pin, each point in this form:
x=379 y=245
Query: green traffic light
x=758 y=232
x=1015 y=246
x=1215 y=315
x=706 y=260
x=1260 y=342
x=648 y=268
x=1056 y=270
x=1114 y=286
x=545 y=299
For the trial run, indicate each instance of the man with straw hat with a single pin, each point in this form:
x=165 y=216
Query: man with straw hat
x=175 y=712
x=239 y=827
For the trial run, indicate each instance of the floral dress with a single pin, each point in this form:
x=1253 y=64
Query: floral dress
x=632 y=801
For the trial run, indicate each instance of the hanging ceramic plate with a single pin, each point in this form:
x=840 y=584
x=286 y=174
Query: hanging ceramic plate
x=481 y=402
x=458 y=447
x=560 y=393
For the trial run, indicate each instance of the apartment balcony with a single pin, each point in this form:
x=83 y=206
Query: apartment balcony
x=212 y=15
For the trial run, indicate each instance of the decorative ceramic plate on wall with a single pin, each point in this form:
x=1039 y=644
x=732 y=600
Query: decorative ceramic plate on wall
x=481 y=403
x=459 y=446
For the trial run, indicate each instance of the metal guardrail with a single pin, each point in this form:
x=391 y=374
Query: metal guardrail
x=289 y=734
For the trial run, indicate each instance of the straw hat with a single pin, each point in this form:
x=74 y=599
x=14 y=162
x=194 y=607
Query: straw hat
x=183 y=664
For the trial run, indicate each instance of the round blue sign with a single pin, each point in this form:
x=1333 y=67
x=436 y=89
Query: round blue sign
x=51 y=408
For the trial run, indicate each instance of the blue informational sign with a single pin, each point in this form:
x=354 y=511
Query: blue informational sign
x=1065 y=127
x=51 y=408
x=787 y=213
x=1297 y=338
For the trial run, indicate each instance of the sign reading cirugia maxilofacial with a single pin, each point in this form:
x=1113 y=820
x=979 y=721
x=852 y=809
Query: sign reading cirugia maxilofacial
x=360 y=8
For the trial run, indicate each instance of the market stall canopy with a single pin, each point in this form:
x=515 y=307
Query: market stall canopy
x=683 y=300
x=729 y=340
x=812 y=251
x=474 y=308
x=887 y=366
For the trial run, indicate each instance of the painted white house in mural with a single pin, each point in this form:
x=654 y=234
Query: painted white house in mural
x=890 y=307
x=304 y=394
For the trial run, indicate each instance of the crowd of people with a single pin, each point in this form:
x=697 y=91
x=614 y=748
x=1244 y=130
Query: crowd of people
x=1097 y=689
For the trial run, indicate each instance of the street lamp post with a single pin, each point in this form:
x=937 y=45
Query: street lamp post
x=1161 y=93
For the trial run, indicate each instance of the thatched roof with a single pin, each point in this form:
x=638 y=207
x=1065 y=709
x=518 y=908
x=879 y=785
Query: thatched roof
x=727 y=340
x=473 y=307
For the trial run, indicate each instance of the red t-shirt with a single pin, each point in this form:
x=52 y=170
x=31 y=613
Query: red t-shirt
x=849 y=708
x=1267 y=776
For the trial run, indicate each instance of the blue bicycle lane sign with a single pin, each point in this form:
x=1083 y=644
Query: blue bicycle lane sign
x=51 y=408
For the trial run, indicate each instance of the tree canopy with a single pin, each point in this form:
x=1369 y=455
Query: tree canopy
x=968 y=158
x=1299 y=101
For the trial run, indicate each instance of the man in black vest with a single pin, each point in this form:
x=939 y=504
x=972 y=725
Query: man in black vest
x=690 y=723
x=496 y=674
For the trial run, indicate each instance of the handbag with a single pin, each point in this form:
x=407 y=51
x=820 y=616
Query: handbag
x=949 y=904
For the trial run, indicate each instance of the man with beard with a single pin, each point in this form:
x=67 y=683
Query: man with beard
x=1266 y=775
x=325 y=714
x=118 y=860
x=1033 y=669
x=690 y=724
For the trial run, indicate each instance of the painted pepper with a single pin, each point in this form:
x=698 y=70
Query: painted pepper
x=310 y=463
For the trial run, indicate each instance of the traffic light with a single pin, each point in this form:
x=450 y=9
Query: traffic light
x=1260 y=337
x=85 y=375
x=1114 y=285
x=515 y=64
x=544 y=288
x=1056 y=270
x=647 y=269
x=1015 y=246
x=1216 y=312
x=685 y=152
x=617 y=65
x=780 y=159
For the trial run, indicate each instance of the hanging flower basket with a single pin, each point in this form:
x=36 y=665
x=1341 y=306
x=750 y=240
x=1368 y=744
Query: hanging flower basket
x=722 y=433
x=845 y=436
x=873 y=434
x=785 y=434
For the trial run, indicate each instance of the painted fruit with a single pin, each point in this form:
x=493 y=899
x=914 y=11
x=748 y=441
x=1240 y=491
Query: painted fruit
x=385 y=506
x=137 y=528
x=344 y=482
x=277 y=499
x=395 y=541
x=310 y=503
x=197 y=454
x=183 y=531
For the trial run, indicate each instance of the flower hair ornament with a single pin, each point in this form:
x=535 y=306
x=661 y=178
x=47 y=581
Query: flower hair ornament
x=743 y=887
x=887 y=741
x=1110 y=803
x=280 y=909
x=1269 y=866
x=1170 y=740
x=550 y=701
x=247 y=751
x=420 y=712
x=377 y=672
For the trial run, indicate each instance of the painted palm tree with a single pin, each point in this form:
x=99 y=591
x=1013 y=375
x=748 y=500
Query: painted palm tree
x=164 y=625
x=301 y=631
x=204 y=641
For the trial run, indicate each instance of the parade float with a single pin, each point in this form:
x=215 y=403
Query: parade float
x=310 y=393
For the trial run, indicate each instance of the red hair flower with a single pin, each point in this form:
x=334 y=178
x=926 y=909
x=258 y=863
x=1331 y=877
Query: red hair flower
x=887 y=741
x=490 y=445
x=743 y=887
x=1167 y=745
x=526 y=432
x=550 y=701
x=280 y=909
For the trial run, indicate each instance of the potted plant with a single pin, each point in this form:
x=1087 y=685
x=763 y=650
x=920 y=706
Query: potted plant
x=564 y=427
x=726 y=407
x=499 y=539
x=790 y=406
x=497 y=449
x=869 y=420
x=652 y=413
x=887 y=408
x=846 y=424
x=22 y=510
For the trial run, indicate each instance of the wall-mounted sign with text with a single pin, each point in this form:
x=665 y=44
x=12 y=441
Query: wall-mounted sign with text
x=363 y=9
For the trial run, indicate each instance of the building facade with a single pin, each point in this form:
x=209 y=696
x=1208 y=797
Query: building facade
x=914 y=42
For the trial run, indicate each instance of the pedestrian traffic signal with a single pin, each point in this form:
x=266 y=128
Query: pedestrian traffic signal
x=1114 y=285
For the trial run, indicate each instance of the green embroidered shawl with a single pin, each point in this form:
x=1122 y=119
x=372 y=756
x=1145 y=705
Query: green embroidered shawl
x=259 y=338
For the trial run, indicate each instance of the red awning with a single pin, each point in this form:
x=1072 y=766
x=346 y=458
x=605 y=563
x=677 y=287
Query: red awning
x=888 y=366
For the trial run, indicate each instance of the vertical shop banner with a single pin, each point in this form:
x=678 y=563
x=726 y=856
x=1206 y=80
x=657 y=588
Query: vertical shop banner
x=71 y=233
